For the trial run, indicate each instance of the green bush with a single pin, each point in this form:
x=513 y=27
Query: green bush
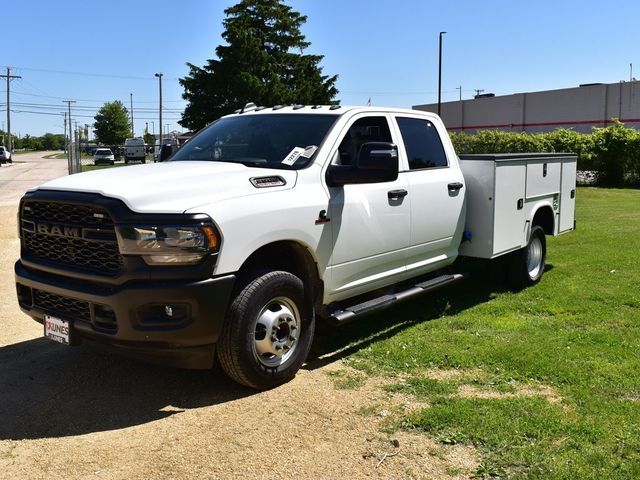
x=612 y=152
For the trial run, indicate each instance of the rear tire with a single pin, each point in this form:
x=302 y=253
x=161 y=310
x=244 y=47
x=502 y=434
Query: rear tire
x=526 y=266
x=268 y=331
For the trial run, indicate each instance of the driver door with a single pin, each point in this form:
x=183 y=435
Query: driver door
x=370 y=222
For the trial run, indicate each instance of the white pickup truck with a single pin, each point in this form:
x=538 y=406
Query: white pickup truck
x=269 y=218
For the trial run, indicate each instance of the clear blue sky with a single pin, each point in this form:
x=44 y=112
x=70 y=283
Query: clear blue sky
x=386 y=50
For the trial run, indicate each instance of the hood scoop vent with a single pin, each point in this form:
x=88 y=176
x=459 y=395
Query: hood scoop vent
x=270 y=181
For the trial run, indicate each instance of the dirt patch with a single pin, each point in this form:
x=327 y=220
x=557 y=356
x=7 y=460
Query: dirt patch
x=453 y=374
x=544 y=391
x=305 y=429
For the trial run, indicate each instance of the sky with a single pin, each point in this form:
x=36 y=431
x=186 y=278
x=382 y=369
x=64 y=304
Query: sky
x=383 y=50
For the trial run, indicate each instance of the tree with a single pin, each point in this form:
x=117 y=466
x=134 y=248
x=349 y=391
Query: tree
x=263 y=62
x=112 y=125
x=52 y=141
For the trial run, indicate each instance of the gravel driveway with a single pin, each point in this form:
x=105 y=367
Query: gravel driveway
x=80 y=413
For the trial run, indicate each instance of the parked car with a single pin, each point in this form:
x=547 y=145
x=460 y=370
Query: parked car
x=5 y=155
x=103 y=156
x=269 y=219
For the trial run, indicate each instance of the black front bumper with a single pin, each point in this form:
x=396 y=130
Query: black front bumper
x=133 y=318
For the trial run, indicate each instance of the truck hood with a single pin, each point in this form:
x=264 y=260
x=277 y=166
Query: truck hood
x=171 y=187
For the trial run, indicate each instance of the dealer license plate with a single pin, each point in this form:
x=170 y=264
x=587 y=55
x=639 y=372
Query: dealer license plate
x=56 y=329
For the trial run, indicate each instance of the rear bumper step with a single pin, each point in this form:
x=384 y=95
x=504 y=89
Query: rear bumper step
x=347 y=314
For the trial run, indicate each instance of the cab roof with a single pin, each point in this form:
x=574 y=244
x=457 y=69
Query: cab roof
x=252 y=109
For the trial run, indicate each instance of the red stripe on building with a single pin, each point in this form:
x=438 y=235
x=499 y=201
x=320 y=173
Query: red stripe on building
x=544 y=124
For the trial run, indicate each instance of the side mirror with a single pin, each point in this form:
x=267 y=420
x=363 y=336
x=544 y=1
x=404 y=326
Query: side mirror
x=377 y=162
x=378 y=156
x=165 y=152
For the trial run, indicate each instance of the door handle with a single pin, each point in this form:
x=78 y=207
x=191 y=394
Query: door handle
x=397 y=194
x=455 y=186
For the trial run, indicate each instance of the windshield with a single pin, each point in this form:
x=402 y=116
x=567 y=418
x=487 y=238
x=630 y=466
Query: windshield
x=286 y=141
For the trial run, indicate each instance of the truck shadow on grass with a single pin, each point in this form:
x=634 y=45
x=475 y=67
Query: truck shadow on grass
x=47 y=390
x=334 y=343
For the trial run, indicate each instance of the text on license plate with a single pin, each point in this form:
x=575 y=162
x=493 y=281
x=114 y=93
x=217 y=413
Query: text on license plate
x=56 y=329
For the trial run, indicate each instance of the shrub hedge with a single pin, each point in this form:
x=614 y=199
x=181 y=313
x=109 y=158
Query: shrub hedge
x=612 y=152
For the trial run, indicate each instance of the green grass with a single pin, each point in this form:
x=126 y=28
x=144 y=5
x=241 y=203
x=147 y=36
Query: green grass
x=89 y=168
x=577 y=331
x=343 y=380
x=56 y=155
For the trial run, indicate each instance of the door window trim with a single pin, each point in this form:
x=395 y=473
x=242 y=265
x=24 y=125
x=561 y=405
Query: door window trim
x=404 y=157
x=393 y=130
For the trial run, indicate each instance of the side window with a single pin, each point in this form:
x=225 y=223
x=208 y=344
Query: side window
x=422 y=143
x=367 y=129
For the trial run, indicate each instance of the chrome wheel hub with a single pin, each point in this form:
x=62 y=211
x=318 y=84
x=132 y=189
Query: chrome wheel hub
x=277 y=331
x=534 y=257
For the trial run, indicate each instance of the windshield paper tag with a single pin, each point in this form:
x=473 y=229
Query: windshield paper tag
x=293 y=156
x=309 y=151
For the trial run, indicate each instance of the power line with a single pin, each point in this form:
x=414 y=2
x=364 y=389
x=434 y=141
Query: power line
x=17 y=92
x=89 y=74
x=82 y=116
x=87 y=107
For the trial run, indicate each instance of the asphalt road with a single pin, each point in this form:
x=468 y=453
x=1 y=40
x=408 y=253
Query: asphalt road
x=28 y=170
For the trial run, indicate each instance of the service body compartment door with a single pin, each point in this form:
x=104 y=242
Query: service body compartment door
x=543 y=177
x=509 y=212
x=568 y=195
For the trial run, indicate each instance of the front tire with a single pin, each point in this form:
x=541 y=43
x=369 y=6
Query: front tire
x=267 y=332
x=526 y=266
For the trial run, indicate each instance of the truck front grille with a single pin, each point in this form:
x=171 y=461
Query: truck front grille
x=46 y=236
x=65 y=307
x=103 y=318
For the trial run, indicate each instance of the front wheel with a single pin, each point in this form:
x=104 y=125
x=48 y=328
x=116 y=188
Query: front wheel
x=267 y=332
x=527 y=265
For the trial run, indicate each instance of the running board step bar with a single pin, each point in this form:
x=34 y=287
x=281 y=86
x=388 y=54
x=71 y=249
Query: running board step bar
x=353 y=312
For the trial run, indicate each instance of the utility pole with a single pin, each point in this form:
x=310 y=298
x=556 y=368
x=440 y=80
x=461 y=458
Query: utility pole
x=9 y=77
x=65 y=132
x=159 y=75
x=132 y=130
x=440 y=70
x=69 y=154
x=460 y=90
x=478 y=91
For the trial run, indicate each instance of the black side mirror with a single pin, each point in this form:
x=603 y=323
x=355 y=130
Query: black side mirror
x=165 y=152
x=377 y=162
x=377 y=156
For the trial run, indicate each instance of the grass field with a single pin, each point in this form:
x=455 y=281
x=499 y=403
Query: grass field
x=545 y=381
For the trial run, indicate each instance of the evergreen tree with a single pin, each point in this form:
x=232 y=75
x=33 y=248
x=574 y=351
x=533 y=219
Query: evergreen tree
x=112 y=124
x=263 y=62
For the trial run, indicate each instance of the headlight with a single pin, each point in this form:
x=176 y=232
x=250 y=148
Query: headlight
x=168 y=244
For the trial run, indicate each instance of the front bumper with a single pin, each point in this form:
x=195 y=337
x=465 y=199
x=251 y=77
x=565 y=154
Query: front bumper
x=132 y=318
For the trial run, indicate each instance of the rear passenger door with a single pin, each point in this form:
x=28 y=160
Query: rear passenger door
x=436 y=193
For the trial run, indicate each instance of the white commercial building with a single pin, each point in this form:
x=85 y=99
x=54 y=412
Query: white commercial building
x=580 y=108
